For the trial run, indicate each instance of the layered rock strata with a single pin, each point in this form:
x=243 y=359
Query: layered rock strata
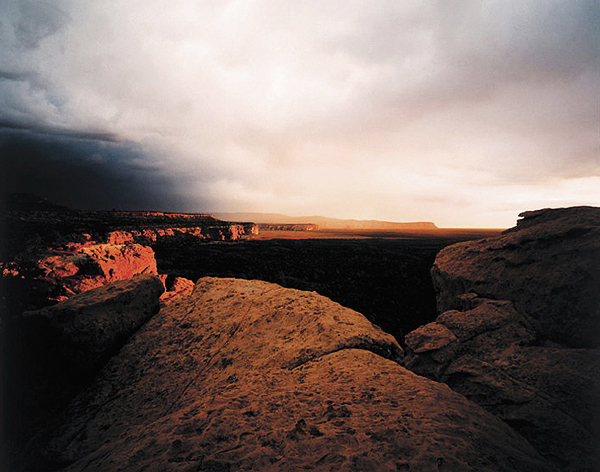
x=510 y=308
x=548 y=266
x=247 y=375
x=60 y=274
x=31 y=221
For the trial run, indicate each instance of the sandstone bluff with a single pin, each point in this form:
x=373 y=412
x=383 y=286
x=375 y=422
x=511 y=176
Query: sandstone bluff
x=247 y=375
x=518 y=331
x=229 y=374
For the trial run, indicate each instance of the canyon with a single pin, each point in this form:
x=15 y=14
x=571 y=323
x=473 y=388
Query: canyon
x=122 y=363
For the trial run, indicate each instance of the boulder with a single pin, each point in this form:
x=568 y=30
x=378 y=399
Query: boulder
x=247 y=375
x=179 y=287
x=121 y=261
x=86 y=329
x=548 y=394
x=35 y=282
x=99 y=264
x=548 y=266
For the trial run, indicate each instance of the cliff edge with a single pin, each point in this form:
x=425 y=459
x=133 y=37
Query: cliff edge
x=248 y=375
x=518 y=330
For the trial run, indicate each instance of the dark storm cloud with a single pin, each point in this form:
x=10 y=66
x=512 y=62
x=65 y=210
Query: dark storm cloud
x=83 y=173
x=19 y=76
x=57 y=132
x=392 y=110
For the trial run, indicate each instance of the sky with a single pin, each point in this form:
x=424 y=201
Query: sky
x=463 y=112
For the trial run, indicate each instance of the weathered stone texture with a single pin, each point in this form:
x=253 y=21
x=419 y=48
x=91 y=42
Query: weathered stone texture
x=247 y=375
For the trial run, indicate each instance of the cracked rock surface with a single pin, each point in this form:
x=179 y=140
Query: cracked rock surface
x=519 y=330
x=247 y=375
x=549 y=394
x=548 y=266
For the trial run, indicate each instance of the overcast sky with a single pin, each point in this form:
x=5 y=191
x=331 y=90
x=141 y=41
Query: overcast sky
x=464 y=113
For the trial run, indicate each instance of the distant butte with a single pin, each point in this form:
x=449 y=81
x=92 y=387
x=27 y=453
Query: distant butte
x=322 y=222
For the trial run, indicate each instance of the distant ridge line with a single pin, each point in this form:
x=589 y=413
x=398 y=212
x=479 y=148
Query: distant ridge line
x=322 y=222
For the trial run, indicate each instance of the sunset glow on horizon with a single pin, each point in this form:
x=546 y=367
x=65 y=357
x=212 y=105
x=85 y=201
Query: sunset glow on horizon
x=460 y=113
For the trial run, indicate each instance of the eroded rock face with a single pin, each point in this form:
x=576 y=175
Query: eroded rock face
x=95 y=265
x=180 y=287
x=489 y=354
x=548 y=266
x=249 y=375
x=60 y=274
x=510 y=306
x=87 y=328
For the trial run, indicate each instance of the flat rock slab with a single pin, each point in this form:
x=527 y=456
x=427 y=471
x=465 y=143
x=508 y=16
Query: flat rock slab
x=247 y=375
x=86 y=329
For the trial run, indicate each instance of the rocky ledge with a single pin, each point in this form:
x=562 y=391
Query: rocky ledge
x=49 y=253
x=518 y=331
x=28 y=222
x=548 y=266
x=247 y=375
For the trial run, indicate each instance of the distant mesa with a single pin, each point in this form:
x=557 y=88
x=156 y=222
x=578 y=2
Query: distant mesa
x=277 y=221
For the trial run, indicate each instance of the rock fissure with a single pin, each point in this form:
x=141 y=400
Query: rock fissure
x=377 y=350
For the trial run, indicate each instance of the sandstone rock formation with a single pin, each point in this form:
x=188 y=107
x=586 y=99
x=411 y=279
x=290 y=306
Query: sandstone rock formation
x=288 y=227
x=548 y=266
x=33 y=283
x=220 y=232
x=87 y=328
x=247 y=375
x=49 y=253
x=92 y=266
x=506 y=306
x=49 y=355
x=31 y=221
x=488 y=353
x=179 y=287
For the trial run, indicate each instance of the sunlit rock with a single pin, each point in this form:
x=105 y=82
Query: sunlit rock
x=514 y=303
x=247 y=375
x=548 y=266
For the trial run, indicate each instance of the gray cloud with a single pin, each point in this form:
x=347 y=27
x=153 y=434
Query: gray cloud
x=83 y=173
x=465 y=111
x=35 y=21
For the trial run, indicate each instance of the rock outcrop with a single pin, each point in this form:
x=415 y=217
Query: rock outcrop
x=177 y=288
x=510 y=306
x=548 y=266
x=48 y=356
x=57 y=275
x=86 y=329
x=31 y=222
x=247 y=375
x=95 y=265
x=288 y=227
x=49 y=253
